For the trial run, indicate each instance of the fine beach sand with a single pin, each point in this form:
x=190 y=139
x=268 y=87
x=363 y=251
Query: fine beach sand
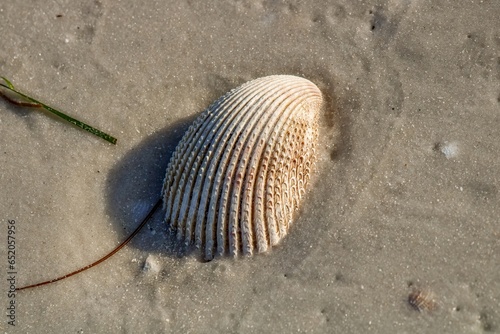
x=406 y=193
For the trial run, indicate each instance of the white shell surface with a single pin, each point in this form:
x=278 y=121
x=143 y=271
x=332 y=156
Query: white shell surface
x=238 y=174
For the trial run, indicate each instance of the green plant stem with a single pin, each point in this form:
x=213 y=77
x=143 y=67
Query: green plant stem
x=37 y=104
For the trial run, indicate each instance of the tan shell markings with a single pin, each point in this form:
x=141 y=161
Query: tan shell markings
x=238 y=174
x=422 y=300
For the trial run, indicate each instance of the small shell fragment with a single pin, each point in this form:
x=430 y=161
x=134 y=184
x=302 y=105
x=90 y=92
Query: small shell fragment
x=238 y=174
x=422 y=300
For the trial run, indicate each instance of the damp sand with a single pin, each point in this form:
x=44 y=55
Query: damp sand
x=405 y=197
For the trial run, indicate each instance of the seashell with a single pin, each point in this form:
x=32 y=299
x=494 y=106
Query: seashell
x=422 y=300
x=241 y=169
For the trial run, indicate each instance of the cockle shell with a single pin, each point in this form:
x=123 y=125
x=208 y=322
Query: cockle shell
x=422 y=300
x=238 y=174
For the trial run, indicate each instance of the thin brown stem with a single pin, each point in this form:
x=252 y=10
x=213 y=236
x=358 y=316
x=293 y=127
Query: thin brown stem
x=110 y=254
x=20 y=103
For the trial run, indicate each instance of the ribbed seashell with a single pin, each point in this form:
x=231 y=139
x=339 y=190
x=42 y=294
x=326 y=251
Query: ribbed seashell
x=422 y=300
x=238 y=174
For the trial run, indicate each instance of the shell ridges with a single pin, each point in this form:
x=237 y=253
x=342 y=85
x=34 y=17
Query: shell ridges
x=241 y=169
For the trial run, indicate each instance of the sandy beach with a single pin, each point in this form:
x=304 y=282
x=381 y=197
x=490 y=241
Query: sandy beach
x=405 y=198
